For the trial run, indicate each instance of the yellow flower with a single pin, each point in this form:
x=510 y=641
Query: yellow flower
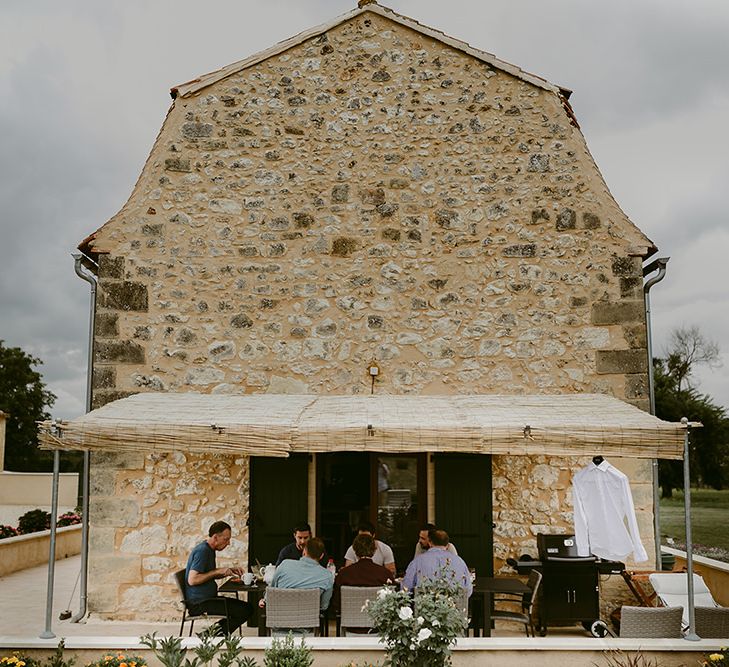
x=715 y=657
x=21 y=663
x=123 y=664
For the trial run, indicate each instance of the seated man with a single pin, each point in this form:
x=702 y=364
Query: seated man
x=200 y=575
x=383 y=554
x=364 y=571
x=437 y=561
x=423 y=543
x=293 y=551
x=306 y=572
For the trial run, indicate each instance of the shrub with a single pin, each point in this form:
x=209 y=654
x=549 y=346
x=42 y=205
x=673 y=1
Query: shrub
x=7 y=531
x=33 y=521
x=284 y=653
x=18 y=660
x=68 y=519
x=424 y=640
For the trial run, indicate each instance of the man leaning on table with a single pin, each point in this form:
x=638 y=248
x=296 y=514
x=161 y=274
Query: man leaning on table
x=437 y=562
x=306 y=572
x=200 y=587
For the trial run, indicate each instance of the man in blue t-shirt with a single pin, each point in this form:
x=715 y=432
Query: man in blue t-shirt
x=200 y=587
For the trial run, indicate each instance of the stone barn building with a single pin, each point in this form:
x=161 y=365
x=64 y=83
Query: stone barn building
x=369 y=192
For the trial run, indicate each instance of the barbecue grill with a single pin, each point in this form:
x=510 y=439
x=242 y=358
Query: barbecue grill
x=570 y=591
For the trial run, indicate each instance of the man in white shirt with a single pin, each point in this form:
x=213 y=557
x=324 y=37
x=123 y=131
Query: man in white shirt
x=383 y=553
x=605 y=523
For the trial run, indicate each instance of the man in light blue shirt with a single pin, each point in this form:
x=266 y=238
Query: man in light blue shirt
x=438 y=562
x=306 y=572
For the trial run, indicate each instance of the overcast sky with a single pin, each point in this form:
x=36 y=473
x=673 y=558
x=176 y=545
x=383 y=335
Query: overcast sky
x=84 y=88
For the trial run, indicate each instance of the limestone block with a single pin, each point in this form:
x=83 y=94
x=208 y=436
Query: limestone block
x=118 y=351
x=157 y=564
x=150 y=598
x=544 y=476
x=103 y=598
x=117 y=568
x=149 y=540
x=101 y=539
x=617 y=313
x=115 y=512
x=123 y=296
x=620 y=361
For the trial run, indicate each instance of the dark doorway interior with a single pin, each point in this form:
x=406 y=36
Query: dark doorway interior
x=278 y=501
x=343 y=499
x=385 y=489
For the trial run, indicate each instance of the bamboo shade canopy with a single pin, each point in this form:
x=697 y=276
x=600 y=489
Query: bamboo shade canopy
x=278 y=424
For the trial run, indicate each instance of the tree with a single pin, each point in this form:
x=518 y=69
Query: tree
x=24 y=397
x=676 y=398
x=689 y=348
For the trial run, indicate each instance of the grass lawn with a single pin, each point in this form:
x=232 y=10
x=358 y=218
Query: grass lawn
x=709 y=520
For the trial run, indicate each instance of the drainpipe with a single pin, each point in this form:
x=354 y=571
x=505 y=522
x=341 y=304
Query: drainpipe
x=48 y=632
x=84 y=273
x=660 y=265
x=691 y=632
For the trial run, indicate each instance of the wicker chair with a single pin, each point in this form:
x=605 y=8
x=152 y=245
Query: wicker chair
x=292 y=609
x=351 y=608
x=527 y=606
x=712 y=622
x=189 y=612
x=650 y=622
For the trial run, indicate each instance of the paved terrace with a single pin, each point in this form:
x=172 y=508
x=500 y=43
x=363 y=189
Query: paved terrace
x=22 y=619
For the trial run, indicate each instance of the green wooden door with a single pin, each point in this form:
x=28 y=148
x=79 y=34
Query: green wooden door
x=279 y=490
x=463 y=506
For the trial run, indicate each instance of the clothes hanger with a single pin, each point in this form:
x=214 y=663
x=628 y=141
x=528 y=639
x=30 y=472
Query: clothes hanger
x=597 y=460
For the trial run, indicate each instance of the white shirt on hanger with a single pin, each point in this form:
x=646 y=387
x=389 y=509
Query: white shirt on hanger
x=605 y=523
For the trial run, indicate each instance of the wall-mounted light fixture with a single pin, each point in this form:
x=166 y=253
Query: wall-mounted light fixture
x=373 y=370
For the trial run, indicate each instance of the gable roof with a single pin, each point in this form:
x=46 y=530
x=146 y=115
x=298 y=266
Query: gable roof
x=197 y=84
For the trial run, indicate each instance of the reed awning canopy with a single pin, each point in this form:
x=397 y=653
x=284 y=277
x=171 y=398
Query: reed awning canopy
x=280 y=424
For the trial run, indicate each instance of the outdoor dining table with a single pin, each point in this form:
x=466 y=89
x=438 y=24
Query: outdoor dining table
x=255 y=592
x=486 y=588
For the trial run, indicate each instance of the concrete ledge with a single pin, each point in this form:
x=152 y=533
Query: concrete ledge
x=337 y=651
x=24 y=551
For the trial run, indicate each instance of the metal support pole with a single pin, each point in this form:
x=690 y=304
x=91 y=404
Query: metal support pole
x=691 y=632
x=48 y=633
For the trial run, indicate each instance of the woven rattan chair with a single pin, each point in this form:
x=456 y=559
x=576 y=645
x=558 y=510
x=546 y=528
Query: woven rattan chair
x=351 y=609
x=292 y=608
x=650 y=622
x=189 y=611
x=712 y=622
x=527 y=606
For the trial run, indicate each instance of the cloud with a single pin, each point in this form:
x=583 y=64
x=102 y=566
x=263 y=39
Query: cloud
x=84 y=88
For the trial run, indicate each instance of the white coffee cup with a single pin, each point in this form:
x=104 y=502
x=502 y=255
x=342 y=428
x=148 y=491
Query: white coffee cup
x=248 y=578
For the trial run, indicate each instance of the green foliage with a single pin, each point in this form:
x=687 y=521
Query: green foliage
x=170 y=653
x=620 y=658
x=18 y=660
x=33 y=521
x=23 y=395
x=68 y=519
x=56 y=658
x=709 y=445
x=284 y=653
x=425 y=639
x=167 y=650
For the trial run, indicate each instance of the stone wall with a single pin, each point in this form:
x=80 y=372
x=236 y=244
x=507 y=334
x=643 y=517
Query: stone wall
x=369 y=194
x=147 y=514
